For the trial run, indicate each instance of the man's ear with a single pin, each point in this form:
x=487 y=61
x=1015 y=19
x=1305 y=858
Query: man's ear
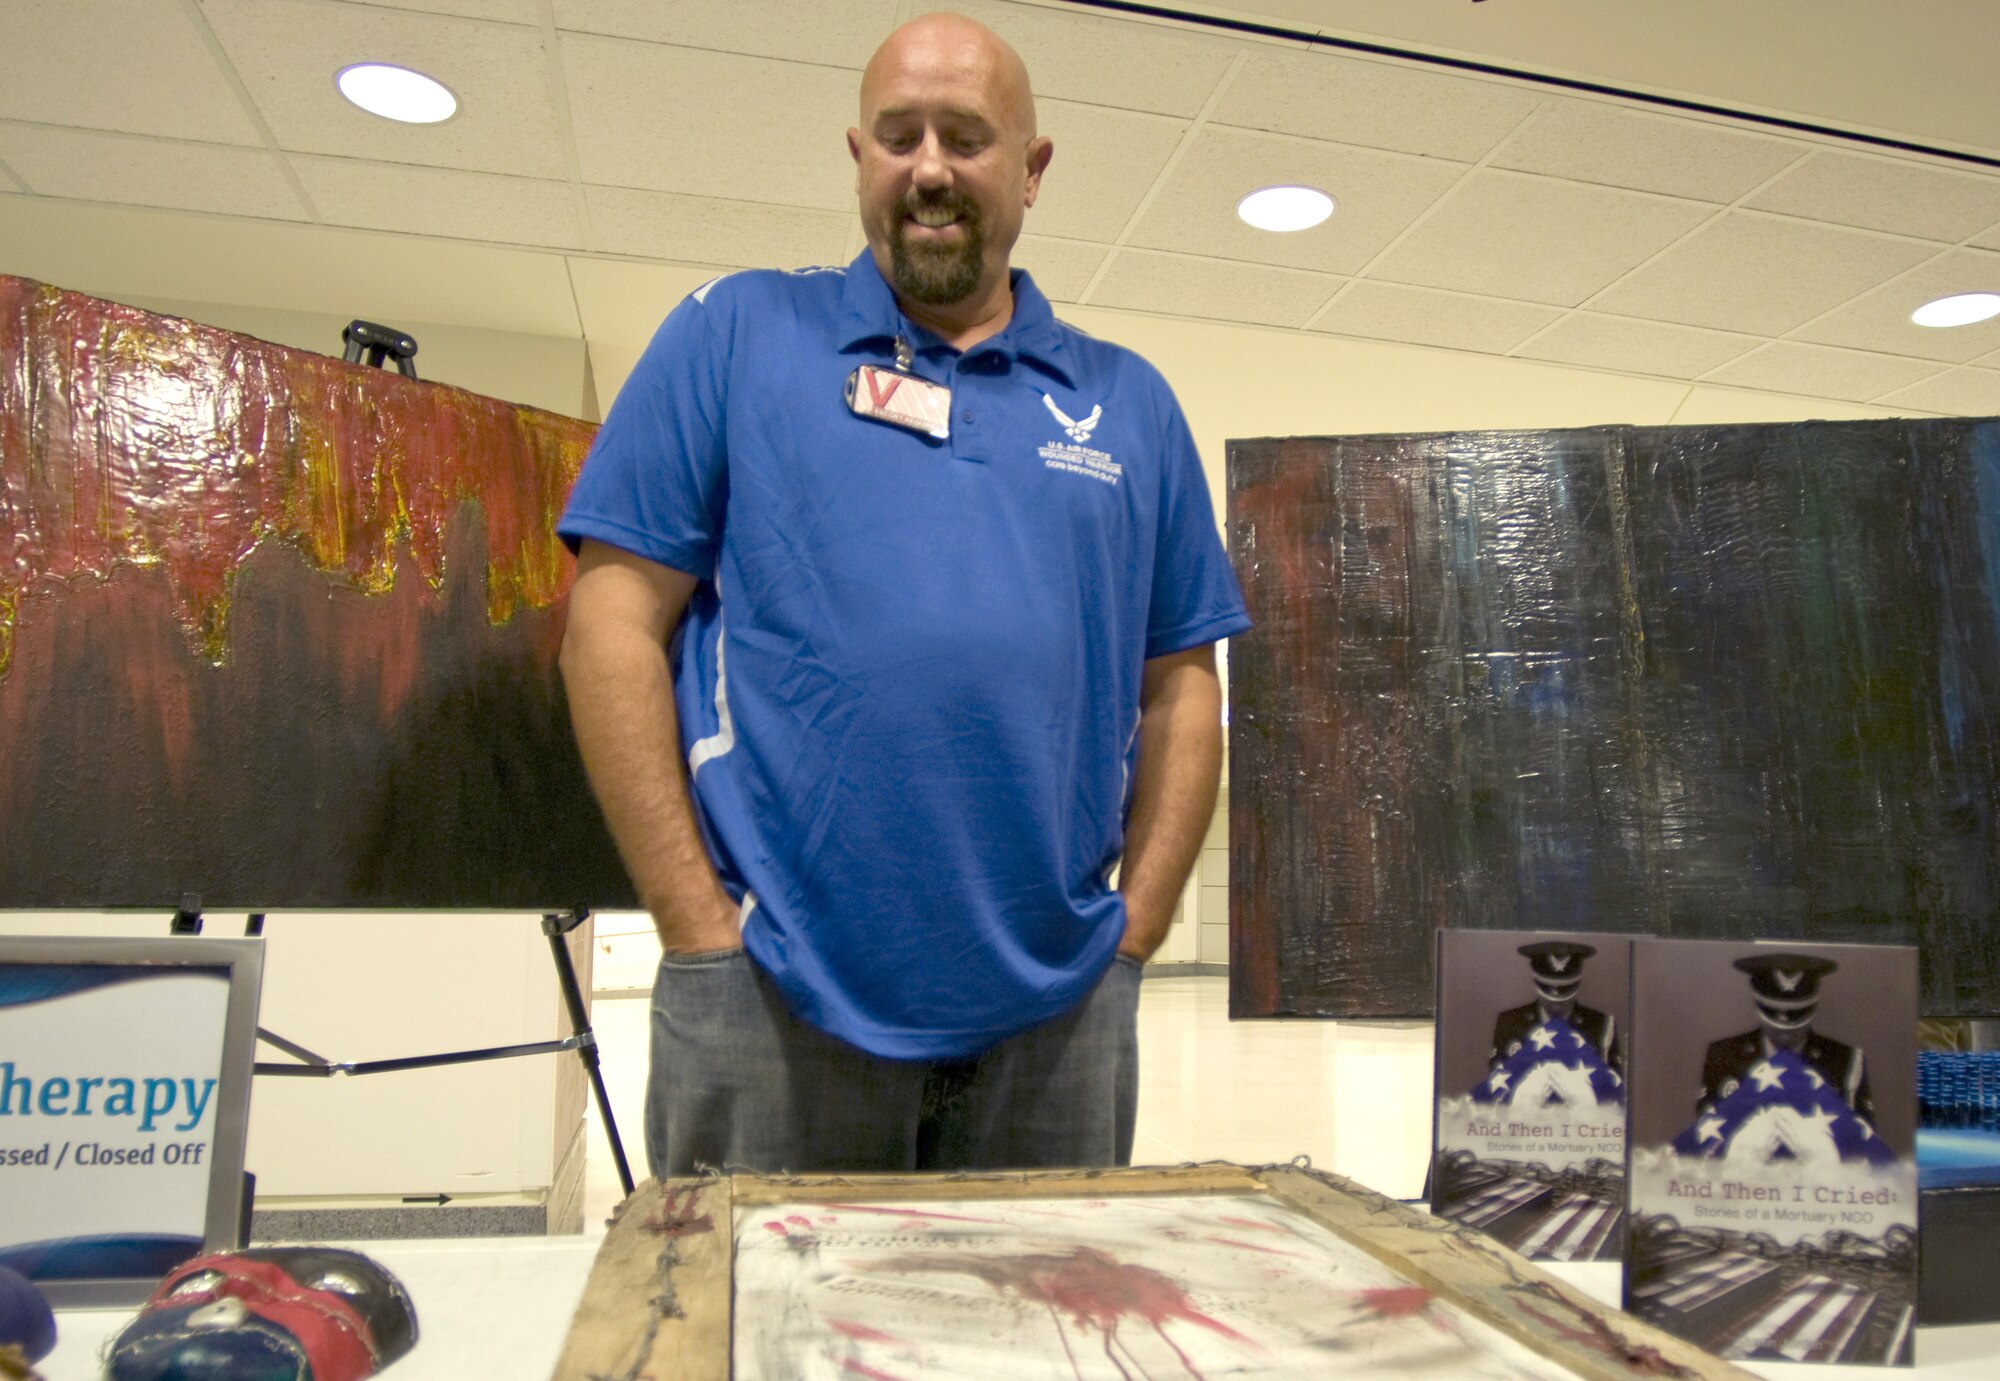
x=1040 y=150
x=854 y=152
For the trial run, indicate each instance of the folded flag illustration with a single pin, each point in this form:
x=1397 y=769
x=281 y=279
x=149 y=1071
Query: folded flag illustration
x=1784 y=1109
x=1553 y=1066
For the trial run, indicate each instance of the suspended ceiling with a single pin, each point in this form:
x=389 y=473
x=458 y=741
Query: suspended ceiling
x=603 y=142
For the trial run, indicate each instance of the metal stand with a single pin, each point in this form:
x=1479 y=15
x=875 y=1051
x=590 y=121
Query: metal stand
x=557 y=926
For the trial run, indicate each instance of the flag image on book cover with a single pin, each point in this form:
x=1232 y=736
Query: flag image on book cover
x=1555 y=1066
x=1785 y=1110
x=1775 y=1219
x=1530 y=1120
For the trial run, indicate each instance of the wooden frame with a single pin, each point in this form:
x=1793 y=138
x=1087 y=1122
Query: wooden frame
x=658 y=1301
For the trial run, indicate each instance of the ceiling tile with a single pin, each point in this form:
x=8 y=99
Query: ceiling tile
x=1061 y=268
x=1591 y=141
x=285 y=265
x=1379 y=194
x=1965 y=392
x=1990 y=240
x=856 y=239
x=1425 y=316
x=708 y=230
x=1899 y=195
x=1219 y=289
x=1381 y=105
x=1105 y=162
x=1536 y=238
x=1760 y=274
x=617 y=300
x=288 y=51
x=92 y=166
x=1784 y=366
x=130 y=65
x=1706 y=406
x=675 y=120
x=841 y=35
x=1108 y=61
x=8 y=182
x=1880 y=320
x=1636 y=347
x=441 y=201
x=500 y=11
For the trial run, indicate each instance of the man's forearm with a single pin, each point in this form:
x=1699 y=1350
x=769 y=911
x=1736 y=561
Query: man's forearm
x=621 y=701
x=1173 y=792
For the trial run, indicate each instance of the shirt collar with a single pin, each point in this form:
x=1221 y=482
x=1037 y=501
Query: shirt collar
x=869 y=313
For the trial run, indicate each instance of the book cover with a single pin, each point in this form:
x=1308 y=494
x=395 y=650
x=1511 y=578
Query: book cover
x=1529 y=1142
x=1772 y=1172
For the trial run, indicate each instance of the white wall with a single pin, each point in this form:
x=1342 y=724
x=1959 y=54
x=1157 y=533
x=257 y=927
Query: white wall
x=353 y=988
x=1253 y=381
x=550 y=372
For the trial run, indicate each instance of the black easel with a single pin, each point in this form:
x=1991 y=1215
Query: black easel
x=381 y=344
x=556 y=925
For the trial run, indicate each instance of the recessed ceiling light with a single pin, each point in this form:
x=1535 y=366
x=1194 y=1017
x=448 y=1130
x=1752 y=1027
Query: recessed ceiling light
x=1285 y=208
x=1961 y=309
x=396 y=93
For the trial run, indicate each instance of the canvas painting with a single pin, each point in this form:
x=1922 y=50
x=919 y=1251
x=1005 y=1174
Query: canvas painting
x=1732 y=682
x=1772 y=1173
x=1530 y=1123
x=1083 y=1290
x=277 y=631
x=1200 y=1271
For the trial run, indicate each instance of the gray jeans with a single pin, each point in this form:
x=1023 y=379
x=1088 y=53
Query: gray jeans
x=737 y=1081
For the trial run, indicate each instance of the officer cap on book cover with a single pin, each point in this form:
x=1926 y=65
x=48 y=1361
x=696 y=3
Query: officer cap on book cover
x=1557 y=964
x=1786 y=982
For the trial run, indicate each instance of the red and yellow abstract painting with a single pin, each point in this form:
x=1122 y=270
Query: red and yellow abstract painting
x=276 y=630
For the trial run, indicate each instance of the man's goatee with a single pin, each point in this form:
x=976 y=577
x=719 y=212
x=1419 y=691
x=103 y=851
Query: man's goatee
x=939 y=275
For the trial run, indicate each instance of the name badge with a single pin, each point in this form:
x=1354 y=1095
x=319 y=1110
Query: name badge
x=901 y=400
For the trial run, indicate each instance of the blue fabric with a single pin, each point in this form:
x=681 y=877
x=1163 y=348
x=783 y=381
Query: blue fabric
x=909 y=680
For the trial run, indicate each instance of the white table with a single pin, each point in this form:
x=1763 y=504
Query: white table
x=500 y=1308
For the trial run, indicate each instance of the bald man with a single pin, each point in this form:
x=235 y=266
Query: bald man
x=891 y=642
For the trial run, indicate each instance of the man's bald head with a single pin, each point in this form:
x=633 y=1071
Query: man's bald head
x=947 y=162
x=943 y=43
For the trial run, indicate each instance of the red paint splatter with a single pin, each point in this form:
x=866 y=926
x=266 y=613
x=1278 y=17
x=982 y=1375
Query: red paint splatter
x=1253 y=1247
x=861 y=1332
x=860 y=1368
x=676 y=1217
x=797 y=1221
x=1093 y=1289
x=910 y=1213
x=775 y=1226
x=1396 y=1301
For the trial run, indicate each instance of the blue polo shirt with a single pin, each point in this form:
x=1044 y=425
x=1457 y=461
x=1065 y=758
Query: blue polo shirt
x=908 y=681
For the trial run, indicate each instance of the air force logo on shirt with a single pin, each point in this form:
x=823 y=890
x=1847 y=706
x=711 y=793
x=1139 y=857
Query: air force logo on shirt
x=1073 y=456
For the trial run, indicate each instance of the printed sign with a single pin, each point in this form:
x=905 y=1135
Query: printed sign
x=114 y=1080
x=1530 y=1127
x=1772 y=1171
